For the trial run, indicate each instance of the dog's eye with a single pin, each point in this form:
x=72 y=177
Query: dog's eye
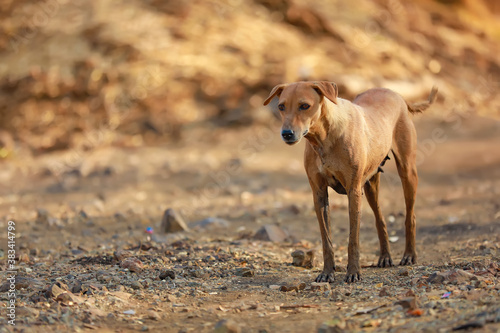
x=281 y=107
x=304 y=106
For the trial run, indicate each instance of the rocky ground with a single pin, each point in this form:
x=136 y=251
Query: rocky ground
x=87 y=260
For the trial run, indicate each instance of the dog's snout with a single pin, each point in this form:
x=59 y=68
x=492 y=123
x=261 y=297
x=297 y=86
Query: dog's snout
x=287 y=135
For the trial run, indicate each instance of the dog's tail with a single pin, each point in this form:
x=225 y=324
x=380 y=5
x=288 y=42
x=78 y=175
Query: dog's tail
x=422 y=106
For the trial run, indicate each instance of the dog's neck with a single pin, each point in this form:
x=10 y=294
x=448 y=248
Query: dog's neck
x=329 y=127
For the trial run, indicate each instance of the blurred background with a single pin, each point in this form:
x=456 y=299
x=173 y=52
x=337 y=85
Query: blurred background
x=112 y=105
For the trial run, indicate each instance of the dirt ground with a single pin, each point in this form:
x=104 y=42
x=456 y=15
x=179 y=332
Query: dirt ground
x=78 y=228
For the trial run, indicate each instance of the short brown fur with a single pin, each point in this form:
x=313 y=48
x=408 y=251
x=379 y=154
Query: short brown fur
x=347 y=143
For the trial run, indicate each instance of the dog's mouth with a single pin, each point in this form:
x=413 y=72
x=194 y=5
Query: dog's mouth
x=305 y=132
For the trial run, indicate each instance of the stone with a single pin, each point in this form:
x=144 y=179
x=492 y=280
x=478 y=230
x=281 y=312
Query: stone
x=293 y=287
x=153 y=315
x=136 y=285
x=56 y=289
x=409 y=303
x=302 y=258
x=245 y=272
x=132 y=264
x=271 y=233
x=320 y=286
x=167 y=273
x=68 y=298
x=227 y=326
x=172 y=222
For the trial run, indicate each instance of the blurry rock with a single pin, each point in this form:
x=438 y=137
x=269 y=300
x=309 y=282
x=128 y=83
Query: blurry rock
x=271 y=232
x=301 y=258
x=335 y=325
x=436 y=277
x=42 y=216
x=404 y=272
x=68 y=298
x=56 y=289
x=383 y=292
x=153 y=315
x=136 y=285
x=23 y=257
x=167 y=273
x=409 y=303
x=454 y=276
x=227 y=326
x=245 y=272
x=172 y=222
x=295 y=286
x=132 y=264
x=320 y=286
x=121 y=254
x=76 y=288
x=210 y=223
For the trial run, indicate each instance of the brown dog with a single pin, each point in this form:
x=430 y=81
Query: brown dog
x=347 y=143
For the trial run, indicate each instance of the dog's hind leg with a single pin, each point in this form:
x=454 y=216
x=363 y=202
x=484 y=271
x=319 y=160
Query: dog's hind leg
x=371 y=192
x=404 y=150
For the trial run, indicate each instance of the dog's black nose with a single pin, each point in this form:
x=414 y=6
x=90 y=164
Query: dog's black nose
x=287 y=135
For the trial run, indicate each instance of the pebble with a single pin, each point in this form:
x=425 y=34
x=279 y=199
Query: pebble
x=227 y=326
x=302 y=258
x=245 y=272
x=172 y=222
x=320 y=286
x=136 y=285
x=132 y=264
x=271 y=233
x=410 y=303
x=293 y=287
x=167 y=273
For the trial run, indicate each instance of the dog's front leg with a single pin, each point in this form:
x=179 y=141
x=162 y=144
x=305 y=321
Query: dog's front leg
x=321 y=206
x=353 y=268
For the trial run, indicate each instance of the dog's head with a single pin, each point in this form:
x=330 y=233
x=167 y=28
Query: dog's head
x=300 y=106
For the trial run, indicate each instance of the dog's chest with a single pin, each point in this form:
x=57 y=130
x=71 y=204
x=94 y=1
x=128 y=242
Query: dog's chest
x=334 y=178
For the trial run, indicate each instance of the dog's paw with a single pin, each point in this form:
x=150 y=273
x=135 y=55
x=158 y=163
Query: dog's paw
x=352 y=277
x=408 y=259
x=385 y=261
x=325 y=277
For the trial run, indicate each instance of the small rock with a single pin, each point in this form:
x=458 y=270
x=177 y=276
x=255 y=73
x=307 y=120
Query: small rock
x=245 y=272
x=210 y=223
x=153 y=315
x=383 y=292
x=436 y=278
x=23 y=257
x=121 y=254
x=172 y=222
x=227 y=326
x=294 y=209
x=303 y=259
x=167 y=273
x=42 y=216
x=292 y=287
x=136 y=285
x=76 y=288
x=69 y=298
x=129 y=312
x=335 y=325
x=56 y=289
x=132 y=264
x=409 y=303
x=271 y=233
x=404 y=272
x=320 y=286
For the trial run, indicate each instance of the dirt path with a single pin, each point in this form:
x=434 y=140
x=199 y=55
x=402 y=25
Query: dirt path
x=81 y=217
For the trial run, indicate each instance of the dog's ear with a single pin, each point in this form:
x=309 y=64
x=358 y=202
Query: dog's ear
x=276 y=91
x=327 y=89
